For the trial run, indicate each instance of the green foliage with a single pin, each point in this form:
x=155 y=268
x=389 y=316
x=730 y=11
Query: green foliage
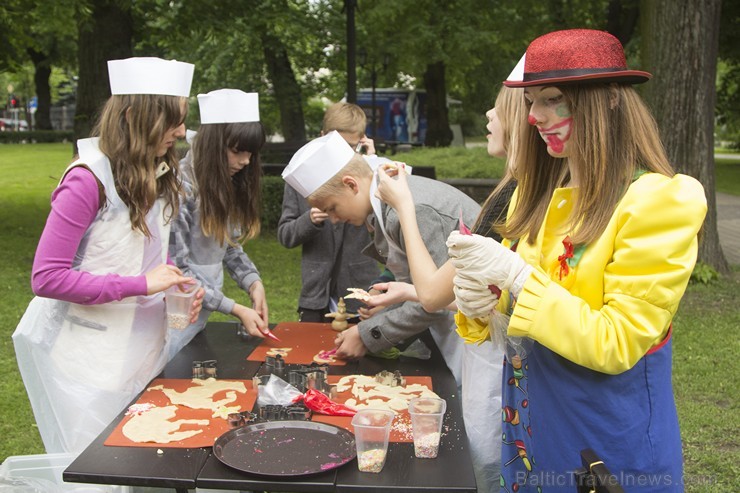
x=272 y=201
x=225 y=42
x=704 y=273
x=314 y=115
x=13 y=36
x=728 y=76
x=728 y=104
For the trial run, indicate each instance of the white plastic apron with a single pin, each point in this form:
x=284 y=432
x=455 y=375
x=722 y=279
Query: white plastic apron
x=82 y=364
x=443 y=332
x=482 y=370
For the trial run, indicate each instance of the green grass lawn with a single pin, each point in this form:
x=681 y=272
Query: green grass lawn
x=727 y=174
x=705 y=342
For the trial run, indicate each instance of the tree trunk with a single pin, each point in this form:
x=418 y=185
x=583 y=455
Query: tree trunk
x=287 y=90
x=106 y=35
x=680 y=41
x=42 y=72
x=438 y=123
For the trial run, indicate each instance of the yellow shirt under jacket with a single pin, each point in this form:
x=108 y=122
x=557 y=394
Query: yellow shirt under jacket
x=619 y=299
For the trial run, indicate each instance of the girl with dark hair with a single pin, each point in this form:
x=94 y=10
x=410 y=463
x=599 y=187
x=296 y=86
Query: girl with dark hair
x=221 y=179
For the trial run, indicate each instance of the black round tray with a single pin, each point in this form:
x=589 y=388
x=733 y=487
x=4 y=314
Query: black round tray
x=285 y=448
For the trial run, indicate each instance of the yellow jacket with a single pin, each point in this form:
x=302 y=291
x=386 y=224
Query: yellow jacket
x=619 y=299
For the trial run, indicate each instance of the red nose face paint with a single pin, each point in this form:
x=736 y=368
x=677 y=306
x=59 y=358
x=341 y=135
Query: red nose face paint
x=532 y=120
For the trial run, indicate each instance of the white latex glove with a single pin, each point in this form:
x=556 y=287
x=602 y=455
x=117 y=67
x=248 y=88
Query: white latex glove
x=484 y=260
x=473 y=298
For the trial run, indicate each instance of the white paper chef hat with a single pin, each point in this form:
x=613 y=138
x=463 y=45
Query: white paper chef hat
x=517 y=75
x=316 y=162
x=229 y=106
x=150 y=75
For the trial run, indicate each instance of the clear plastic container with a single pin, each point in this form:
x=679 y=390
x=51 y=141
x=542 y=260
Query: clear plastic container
x=43 y=474
x=372 y=431
x=427 y=415
x=179 y=300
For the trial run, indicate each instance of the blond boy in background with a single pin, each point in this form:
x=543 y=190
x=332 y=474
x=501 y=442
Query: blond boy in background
x=331 y=257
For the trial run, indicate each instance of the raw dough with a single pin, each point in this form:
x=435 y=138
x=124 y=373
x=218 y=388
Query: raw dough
x=155 y=426
x=358 y=294
x=282 y=351
x=323 y=357
x=368 y=393
x=200 y=396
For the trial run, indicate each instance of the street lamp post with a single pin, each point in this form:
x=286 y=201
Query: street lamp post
x=349 y=8
x=374 y=68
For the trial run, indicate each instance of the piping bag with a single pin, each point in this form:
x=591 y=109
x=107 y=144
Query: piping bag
x=320 y=403
x=278 y=391
x=498 y=322
x=271 y=335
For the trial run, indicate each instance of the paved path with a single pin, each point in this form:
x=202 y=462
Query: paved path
x=728 y=226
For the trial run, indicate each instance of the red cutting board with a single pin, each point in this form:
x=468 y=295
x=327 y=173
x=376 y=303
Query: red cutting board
x=304 y=339
x=401 y=428
x=211 y=432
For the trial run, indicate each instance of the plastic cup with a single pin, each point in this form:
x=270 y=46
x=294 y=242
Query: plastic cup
x=372 y=429
x=427 y=415
x=179 y=300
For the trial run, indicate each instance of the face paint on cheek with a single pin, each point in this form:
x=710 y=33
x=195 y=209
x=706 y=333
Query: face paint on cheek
x=532 y=120
x=562 y=111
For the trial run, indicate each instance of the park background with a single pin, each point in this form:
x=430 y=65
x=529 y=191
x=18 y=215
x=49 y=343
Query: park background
x=301 y=55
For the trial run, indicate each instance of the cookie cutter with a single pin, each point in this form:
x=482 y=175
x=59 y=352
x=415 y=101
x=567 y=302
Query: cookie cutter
x=391 y=379
x=276 y=412
x=204 y=369
x=313 y=376
x=236 y=420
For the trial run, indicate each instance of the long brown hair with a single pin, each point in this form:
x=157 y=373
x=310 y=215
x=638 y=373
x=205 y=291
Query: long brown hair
x=228 y=202
x=131 y=127
x=613 y=136
x=510 y=111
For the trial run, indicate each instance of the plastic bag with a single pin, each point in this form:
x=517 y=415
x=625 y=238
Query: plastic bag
x=498 y=325
x=418 y=350
x=277 y=392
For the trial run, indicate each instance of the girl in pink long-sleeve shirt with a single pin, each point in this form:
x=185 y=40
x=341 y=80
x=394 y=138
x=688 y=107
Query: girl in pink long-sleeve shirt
x=94 y=336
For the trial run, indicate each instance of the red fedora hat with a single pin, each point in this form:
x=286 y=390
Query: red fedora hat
x=574 y=56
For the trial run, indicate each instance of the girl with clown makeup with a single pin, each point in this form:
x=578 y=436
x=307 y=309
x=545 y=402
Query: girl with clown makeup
x=599 y=244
